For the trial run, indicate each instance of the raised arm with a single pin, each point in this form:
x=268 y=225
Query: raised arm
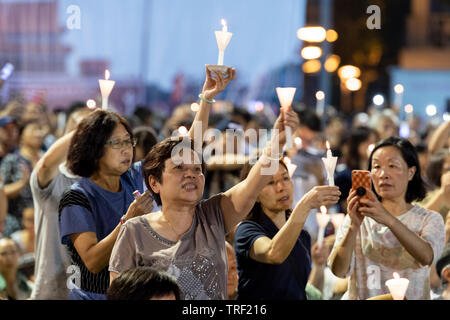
x=47 y=166
x=237 y=201
x=211 y=88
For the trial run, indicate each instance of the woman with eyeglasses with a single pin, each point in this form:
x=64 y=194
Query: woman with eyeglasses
x=101 y=152
x=94 y=208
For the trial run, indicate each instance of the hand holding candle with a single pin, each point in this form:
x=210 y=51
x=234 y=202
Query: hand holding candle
x=106 y=87
x=322 y=220
x=397 y=287
x=286 y=96
x=330 y=165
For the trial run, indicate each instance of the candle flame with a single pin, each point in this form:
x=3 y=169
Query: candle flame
x=298 y=140
x=323 y=209
x=320 y=95
x=398 y=88
x=287 y=160
x=328 y=145
x=396 y=276
x=107 y=74
x=224 y=22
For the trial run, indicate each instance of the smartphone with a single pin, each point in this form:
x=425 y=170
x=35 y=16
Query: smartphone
x=361 y=181
x=6 y=72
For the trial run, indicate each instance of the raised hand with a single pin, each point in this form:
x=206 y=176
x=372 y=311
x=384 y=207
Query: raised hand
x=322 y=196
x=371 y=207
x=213 y=86
x=353 y=205
x=143 y=204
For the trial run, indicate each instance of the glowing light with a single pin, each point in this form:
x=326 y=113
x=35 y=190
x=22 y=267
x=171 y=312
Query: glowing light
x=398 y=88
x=409 y=108
x=378 y=100
x=312 y=34
x=332 y=35
x=320 y=95
x=91 y=104
x=348 y=71
x=311 y=66
x=182 y=130
x=353 y=84
x=332 y=63
x=431 y=110
x=107 y=74
x=311 y=52
x=195 y=107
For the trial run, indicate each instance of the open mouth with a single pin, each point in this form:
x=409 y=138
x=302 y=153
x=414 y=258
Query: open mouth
x=385 y=185
x=189 y=186
x=285 y=198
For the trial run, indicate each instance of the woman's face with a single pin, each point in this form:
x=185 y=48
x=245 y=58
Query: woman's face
x=278 y=194
x=118 y=153
x=390 y=173
x=180 y=181
x=9 y=255
x=33 y=136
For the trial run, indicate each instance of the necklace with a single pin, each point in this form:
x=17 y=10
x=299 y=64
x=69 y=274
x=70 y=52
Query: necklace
x=170 y=225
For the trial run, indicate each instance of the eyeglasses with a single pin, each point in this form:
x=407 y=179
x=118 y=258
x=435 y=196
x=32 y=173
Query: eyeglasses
x=117 y=144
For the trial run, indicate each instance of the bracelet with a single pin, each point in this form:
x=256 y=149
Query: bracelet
x=206 y=100
x=123 y=219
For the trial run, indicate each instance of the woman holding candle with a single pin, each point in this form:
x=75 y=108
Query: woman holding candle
x=272 y=250
x=385 y=233
x=187 y=236
x=94 y=208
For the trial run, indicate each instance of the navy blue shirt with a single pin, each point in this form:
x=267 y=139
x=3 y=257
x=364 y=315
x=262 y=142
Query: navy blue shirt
x=262 y=281
x=86 y=207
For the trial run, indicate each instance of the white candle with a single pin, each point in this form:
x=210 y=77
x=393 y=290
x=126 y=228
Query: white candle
x=286 y=96
x=397 y=287
x=320 y=103
x=291 y=167
x=330 y=165
x=106 y=87
x=398 y=89
x=223 y=38
x=322 y=220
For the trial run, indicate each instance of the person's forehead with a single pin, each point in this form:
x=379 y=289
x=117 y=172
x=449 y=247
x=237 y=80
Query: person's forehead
x=119 y=132
x=387 y=153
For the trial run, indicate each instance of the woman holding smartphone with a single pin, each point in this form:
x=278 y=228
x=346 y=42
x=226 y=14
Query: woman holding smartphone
x=383 y=232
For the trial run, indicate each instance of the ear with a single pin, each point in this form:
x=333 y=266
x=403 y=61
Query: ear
x=411 y=172
x=154 y=185
x=446 y=274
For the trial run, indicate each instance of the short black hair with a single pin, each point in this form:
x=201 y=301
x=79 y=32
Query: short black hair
x=88 y=143
x=154 y=162
x=142 y=283
x=309 y=119
x=416 y=187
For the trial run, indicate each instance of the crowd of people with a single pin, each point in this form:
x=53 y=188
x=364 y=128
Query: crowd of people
x=95 y=205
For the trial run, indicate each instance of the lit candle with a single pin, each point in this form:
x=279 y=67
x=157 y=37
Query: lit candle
x=337 y=219
x=322 y=220
x=320 y=103
x=106 y=87
x=223 y=39
x=409 y=112
x=397 y=287
x=291 y=167
x=330 y=165
x=298 y=142
x=91 y=104
x=286 y=96
x=398 y=89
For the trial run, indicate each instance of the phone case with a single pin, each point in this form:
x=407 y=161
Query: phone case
x=361 y=181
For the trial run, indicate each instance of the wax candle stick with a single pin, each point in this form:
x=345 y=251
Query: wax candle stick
x=397 y=286
x=106 y=87
x=330 y=165
x=320 y=103
x=322 y=220
x=398 y=89
x=286 y=96
x=223 y=39
x=291 y=167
